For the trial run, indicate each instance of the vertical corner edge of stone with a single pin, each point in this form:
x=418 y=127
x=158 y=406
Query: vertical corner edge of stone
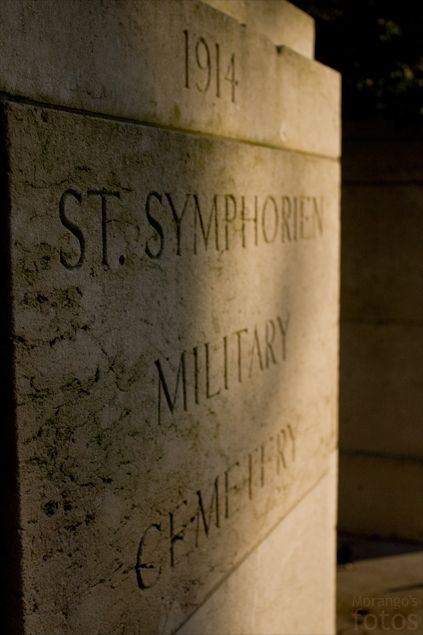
x=10 y=109
x=3 y=106
x=6 y=107
x=337 y=79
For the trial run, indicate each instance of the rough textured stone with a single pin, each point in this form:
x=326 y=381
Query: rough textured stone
x=175 y=380
x=280 y=21
x=177 y=63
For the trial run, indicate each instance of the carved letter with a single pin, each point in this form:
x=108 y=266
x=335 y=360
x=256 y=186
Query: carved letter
x=269 y=342
x=283 y=327
x=267 y=239
x=208 y=393
x=103 y=195
x=245 y=219
x=143 y=565
x=229 y=198
x=201 y=512
x=175 y=537
x=280 y=451
x=76 y=231
x=206 y=231
x=178 y=220
x=238 y=334
x=286 y=214
x=229 y=487
x=256 y=346
x=154 y=223
x=163 y=386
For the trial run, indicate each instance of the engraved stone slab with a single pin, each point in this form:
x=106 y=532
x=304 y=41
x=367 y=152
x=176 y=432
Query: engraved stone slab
x=176 y=63
x=175 y=306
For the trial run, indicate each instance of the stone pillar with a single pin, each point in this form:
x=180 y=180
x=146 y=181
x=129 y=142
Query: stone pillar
x=170 y=199
x=381 y=400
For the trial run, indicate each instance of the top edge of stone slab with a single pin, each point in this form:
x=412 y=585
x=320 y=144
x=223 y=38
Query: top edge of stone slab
x=174 y=63
x=282 y=22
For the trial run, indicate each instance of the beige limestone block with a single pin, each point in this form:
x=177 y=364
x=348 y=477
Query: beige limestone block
x=381 y=496
x=381 y=410
x=177 y=63
x=382 y=255
x=310 y=104
x=280 y=21
x=175 y=305
x=293 y=568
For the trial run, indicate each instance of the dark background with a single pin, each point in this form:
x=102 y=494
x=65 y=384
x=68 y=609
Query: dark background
x=377 y=45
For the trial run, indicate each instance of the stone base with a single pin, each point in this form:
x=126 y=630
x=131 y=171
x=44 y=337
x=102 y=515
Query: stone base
x=259 y=598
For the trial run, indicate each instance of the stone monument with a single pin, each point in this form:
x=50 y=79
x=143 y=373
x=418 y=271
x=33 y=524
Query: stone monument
x=170 y=233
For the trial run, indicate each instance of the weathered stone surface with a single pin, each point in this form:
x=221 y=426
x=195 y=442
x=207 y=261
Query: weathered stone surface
x=176 y=365
x=177 y=63
x=271 y=573
x=310 y=105
x=280 y=21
